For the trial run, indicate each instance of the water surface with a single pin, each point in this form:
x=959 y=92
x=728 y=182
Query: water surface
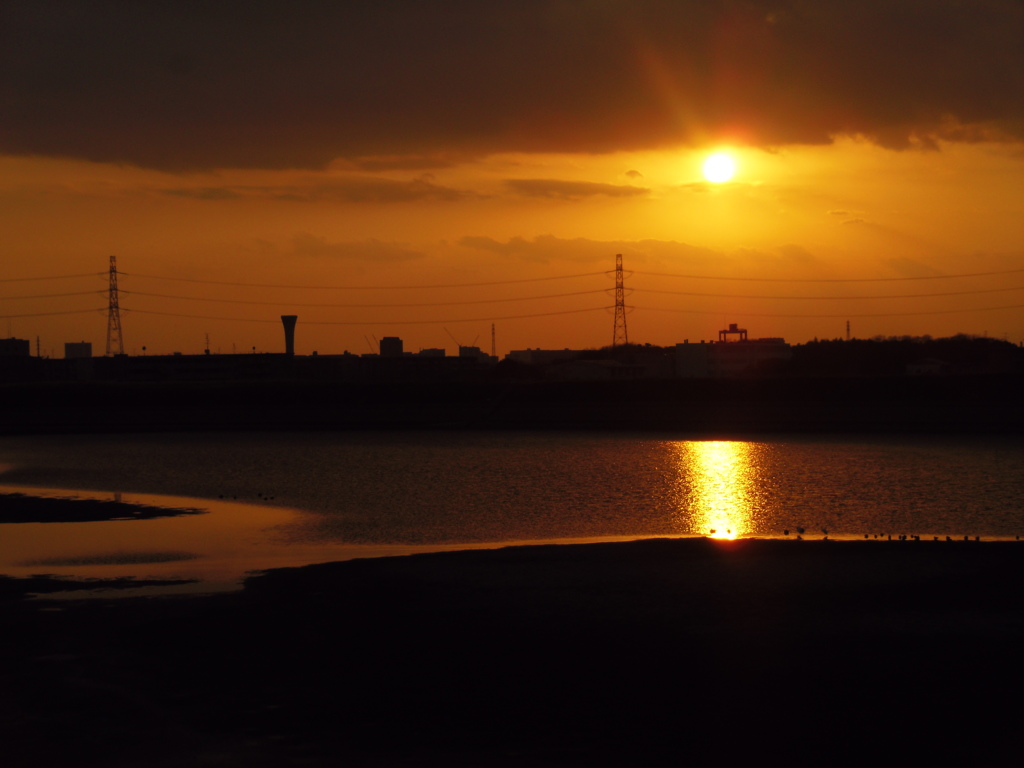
x=281 y=499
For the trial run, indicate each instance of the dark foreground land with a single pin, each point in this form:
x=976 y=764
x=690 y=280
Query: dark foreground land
x=662 y=652
x=982 y=404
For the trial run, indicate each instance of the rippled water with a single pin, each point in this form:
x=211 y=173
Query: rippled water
x=439 y=489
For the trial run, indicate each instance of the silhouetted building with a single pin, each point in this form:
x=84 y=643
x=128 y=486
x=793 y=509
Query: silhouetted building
x=739 y=357
x=391 y=346
x=76 y=350
x=475 y=353
x=289 y=333
x=729 y=358
x=733 y=330
x=542 y=356
x=15 y=347
x=693 y=361
x=432 y=352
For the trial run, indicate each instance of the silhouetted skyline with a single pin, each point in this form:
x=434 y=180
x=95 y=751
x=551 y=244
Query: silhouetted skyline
x=409 y=167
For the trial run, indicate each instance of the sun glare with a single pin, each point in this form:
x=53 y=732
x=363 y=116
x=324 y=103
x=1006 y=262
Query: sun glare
x=719 y=167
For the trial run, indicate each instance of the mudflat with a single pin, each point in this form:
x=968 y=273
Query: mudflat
x=658 y=652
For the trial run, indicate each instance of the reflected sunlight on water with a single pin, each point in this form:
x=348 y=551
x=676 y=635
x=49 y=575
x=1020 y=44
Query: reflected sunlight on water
x=720 y=482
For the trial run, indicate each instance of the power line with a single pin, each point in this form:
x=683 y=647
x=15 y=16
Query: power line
x=362 y=287
x=52 y=277
x=374 y=322
x=51 y=314
x=830 y=298
x=52 y=295
x=829 y=280
x=845 y=314
x=364 y=306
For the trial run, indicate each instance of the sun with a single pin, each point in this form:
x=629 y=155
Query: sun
x=719 y=167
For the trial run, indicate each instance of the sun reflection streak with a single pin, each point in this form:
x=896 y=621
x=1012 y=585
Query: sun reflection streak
x=721 y=487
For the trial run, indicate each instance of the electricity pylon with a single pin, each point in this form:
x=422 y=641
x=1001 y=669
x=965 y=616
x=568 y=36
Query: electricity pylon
x=114 y=339
x=619 y=336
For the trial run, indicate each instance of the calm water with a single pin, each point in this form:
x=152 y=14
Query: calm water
x=294 y=498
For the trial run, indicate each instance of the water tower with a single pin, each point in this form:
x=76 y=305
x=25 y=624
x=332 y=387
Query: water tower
x=289 y=333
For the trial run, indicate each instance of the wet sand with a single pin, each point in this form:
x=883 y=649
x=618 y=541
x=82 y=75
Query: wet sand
x=660 y=652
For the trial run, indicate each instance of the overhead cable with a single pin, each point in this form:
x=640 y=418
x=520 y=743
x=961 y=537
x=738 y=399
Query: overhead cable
x=53 y=295
x=362 y=287
x=375 y=322
x=51 y=277
x=50 y=314
x=364 y=306
x=844 y=315
x=830 y=298
x=828 y=279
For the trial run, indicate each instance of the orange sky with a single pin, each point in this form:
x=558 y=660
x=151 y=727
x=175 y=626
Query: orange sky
x=374 y=156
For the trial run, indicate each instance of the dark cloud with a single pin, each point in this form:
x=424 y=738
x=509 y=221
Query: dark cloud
x=268 y=83
x=405 y=162
x=571 y=190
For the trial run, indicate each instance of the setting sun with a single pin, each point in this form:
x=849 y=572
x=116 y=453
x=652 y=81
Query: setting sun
x=719 y=167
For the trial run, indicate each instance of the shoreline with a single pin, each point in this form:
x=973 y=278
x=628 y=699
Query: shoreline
x=649 y=652
x=139 y=568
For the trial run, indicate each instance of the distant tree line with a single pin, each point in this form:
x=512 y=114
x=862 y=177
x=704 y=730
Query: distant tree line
x=961 y=354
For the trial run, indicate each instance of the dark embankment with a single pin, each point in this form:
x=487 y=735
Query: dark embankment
x=683 y=652
x=983 y=404
x=20 y=508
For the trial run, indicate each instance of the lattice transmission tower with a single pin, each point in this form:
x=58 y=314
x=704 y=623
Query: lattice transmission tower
x=619 y=336
x=114 y=339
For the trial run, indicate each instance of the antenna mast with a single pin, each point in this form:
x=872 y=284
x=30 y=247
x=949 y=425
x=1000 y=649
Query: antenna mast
x=494 y=347
x=619 y=336
x=114 y=339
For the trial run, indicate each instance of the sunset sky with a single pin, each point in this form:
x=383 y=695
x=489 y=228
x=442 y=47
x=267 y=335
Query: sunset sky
x=424 y=170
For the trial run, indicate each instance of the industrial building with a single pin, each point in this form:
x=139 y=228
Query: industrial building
x=732 y=355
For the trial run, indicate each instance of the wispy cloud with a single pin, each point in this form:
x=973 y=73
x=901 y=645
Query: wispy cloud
x=571 y=190
x=548 y=249
x=354 y=189
x=306 y=245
